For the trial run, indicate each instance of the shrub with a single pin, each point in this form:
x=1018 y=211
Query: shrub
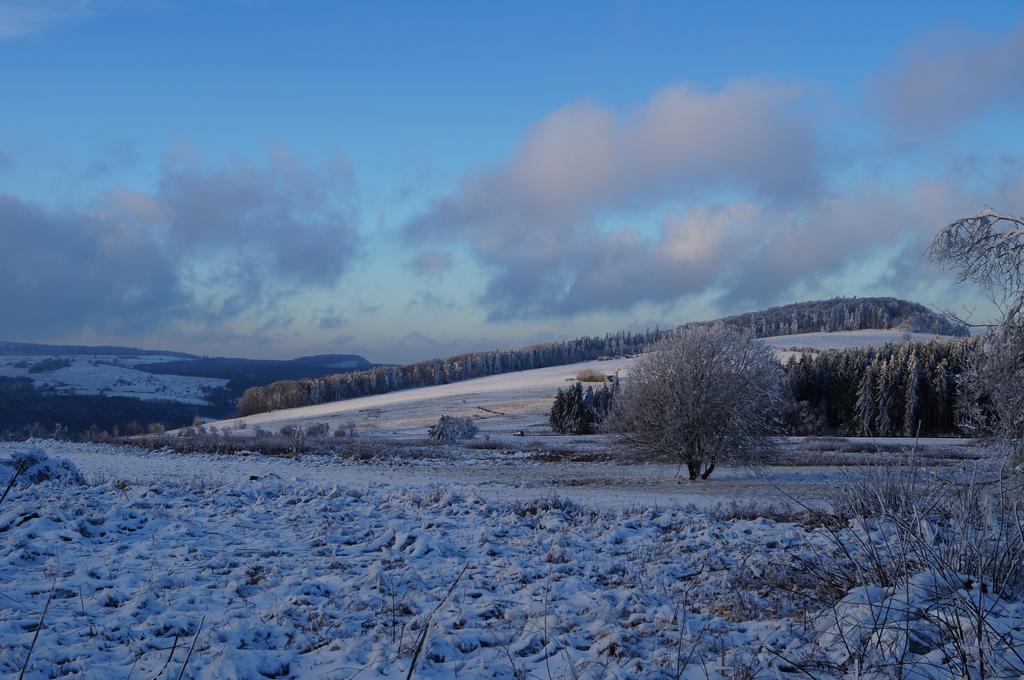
x=317 y=430
x=708 y=394
x=590 y=375
x=450 y=429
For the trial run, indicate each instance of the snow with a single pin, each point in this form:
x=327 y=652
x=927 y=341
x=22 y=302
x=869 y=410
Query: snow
x=249 y=566
x=34 y=465
x=311 y=578
x=789 y=345
x=494 y=474
x=114 y=376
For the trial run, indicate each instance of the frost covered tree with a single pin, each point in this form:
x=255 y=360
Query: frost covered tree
x=833 y=386
x=708 y=395
x=866 y=402
x=579 y=411
x=988 y=249
x=885 y=400
x=912 y=403
x=450 y=429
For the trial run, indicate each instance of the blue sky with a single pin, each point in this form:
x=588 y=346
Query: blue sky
x=406 y=180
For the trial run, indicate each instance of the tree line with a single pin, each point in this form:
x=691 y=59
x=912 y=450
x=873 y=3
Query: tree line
x=888 y=390
x=382 y=379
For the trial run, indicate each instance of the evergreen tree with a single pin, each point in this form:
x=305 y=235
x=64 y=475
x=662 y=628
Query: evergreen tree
x=885 y=400
x=911 y=412
x=866 y=403
x=579 y=411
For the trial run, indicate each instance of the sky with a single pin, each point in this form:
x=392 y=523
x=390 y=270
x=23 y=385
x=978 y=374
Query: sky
x=410 y=180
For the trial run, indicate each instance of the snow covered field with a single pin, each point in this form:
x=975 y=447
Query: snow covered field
x=789 y=345
x=112 y=376
x=168 y=565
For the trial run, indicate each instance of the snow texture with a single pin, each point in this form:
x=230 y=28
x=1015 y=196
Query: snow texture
x=271 y=576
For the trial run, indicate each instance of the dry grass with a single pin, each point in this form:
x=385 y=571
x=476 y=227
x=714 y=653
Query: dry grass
x=947 y=553
x=591 y=375
x=277 y=445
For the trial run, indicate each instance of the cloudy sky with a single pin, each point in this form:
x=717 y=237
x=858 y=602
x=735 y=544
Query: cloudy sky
x=406 y=180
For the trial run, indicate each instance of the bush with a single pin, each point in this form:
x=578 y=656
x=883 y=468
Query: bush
x=36 y=466
x=590 y=375
x=450 y=429
x=317 y=430
x=708 y=394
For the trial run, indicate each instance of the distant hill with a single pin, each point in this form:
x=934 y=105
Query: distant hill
x=245 y=373
x=846 y=314
x=77 y=386
x=837 y=314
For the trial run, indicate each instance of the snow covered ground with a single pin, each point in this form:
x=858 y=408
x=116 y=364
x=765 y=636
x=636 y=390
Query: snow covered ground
x=113 y=376
x=166 y=565
x=788 y=345
x=506 y=475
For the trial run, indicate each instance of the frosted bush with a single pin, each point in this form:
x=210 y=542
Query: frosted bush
x=37 y=467
x=451 y=429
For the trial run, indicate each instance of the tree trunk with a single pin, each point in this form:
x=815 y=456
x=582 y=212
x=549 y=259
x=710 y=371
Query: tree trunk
x=693 y=468
x=708 y=469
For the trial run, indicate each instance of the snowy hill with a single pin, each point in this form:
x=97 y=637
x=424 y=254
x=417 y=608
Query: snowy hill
x=77 y=386
x=109 y=375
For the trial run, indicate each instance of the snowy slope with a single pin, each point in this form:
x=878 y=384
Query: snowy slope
x=113 y=376
x=787 y=345
x=523 y=399
x=504 y=404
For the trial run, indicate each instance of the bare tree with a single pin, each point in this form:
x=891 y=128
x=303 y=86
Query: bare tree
x=708 y=394
x=988 y=249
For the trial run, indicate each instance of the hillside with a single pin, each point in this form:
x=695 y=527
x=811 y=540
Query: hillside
x=846 y=314
x=76 y=386
x=502 y=405
x=837 y=314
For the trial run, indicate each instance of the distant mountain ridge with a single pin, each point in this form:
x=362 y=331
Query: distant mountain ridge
x=37 y=349
x=836 y=314
x=245 y=373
